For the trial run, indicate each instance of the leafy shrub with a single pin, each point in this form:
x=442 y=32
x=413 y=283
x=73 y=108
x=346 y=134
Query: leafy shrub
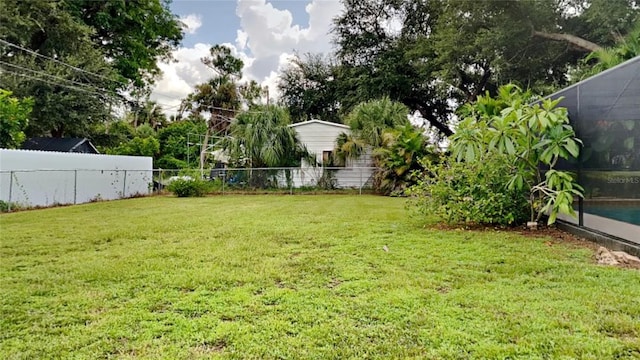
x=328 y=180
x=5 y=206
x=170 y=162
x=458 y=192
x=532 y=137
x=398 y=159
x=187 y=186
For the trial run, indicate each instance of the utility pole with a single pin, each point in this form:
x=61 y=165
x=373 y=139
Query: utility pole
x=267 y=88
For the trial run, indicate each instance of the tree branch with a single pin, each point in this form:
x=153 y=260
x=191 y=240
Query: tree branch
x=427 y=115
x=578 y=42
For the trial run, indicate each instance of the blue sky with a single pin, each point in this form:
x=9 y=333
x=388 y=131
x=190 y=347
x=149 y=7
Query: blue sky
x=219 y=19
x=265 y=34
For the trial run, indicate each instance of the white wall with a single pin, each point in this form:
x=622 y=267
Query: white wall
x=44 y=178
x=321 y=136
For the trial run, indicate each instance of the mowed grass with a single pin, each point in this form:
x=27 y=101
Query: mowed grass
x=299 y=277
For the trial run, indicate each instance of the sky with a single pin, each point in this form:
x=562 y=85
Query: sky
x=265 y=34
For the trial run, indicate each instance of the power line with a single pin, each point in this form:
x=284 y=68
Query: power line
x=58 y=61
x=52 y=76
x=53 y=83
x=90 y=73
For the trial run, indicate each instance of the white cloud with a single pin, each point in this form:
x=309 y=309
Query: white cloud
x=265 y=42
x=192 y=23
x=178 y=78
x=241 y=40
x=269 y=32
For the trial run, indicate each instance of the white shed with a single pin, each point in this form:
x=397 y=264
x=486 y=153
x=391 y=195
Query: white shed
x=320 y=139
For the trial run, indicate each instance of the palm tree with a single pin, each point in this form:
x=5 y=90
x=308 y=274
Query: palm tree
x=368 y=120
x=347 y=147
x=219 y=97
x=606 y=58
x=400 y=156
x=149 y=113
x=261 y=138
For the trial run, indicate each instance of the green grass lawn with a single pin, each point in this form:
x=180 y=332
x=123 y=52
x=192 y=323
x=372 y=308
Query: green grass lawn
x=298 y=277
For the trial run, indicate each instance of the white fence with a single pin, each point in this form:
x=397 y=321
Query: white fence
x=40 y=178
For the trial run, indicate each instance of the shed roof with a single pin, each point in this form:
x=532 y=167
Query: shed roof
x=59 y=144
x=315 y=121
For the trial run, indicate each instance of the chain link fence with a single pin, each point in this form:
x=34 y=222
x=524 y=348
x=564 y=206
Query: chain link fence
x=43 y=188
x=281 y=180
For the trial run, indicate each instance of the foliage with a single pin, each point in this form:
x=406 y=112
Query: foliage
x=399 y=159
x=627 y=48
x=136 y=35
x=106 y=44
x=308 y=88
x=66 y=101
x=14 y=118
x=170 y=162
x=427 y=53
x=175 y=153
x=138 y=146
x=220 y=96
x=299 y=276
x=186 y=186
x=149 y=113
x=530 y=136
x=6 y=206
x=262 y=138
x=382 y=126
x=469 y=192
x=368 y=120
x=145 y=131
x=378 y=55
x=348 y=147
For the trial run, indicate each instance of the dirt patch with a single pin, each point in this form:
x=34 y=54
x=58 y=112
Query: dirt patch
x=553 y=235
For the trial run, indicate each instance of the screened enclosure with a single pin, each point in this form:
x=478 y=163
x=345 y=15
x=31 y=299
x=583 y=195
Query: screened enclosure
x=605 y=113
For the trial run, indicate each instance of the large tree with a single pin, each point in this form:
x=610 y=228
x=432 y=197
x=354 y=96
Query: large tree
x=219 y=97
x=423 y=53
x=135 y=34
x=14 y=117
x=74 y=56
x=378 y=55
x=309 y=89
x=483 y=44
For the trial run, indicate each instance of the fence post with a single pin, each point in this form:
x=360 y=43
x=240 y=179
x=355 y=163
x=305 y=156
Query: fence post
x=291 y=172
x=75 y=186
x=224 y=179
x=360 y=180
x=10 y=190
x=124 y=185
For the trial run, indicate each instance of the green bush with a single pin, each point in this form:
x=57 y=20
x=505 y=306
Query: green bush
x=187 y=186
x=472 y=193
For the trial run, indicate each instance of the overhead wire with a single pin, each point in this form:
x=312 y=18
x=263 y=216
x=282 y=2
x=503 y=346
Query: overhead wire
x=53 y=76
x=51 y=82
x=94 y=74
x=58 y=61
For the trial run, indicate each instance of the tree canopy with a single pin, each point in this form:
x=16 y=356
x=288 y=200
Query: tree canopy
x=435 y=55
x=14 y=118
x=73 y=56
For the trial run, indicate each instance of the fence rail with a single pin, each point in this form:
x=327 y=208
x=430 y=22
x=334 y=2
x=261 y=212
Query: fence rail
x=41 y=188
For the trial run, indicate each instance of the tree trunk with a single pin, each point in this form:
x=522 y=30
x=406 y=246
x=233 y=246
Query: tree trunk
x=424 y=111
x=578 y=42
